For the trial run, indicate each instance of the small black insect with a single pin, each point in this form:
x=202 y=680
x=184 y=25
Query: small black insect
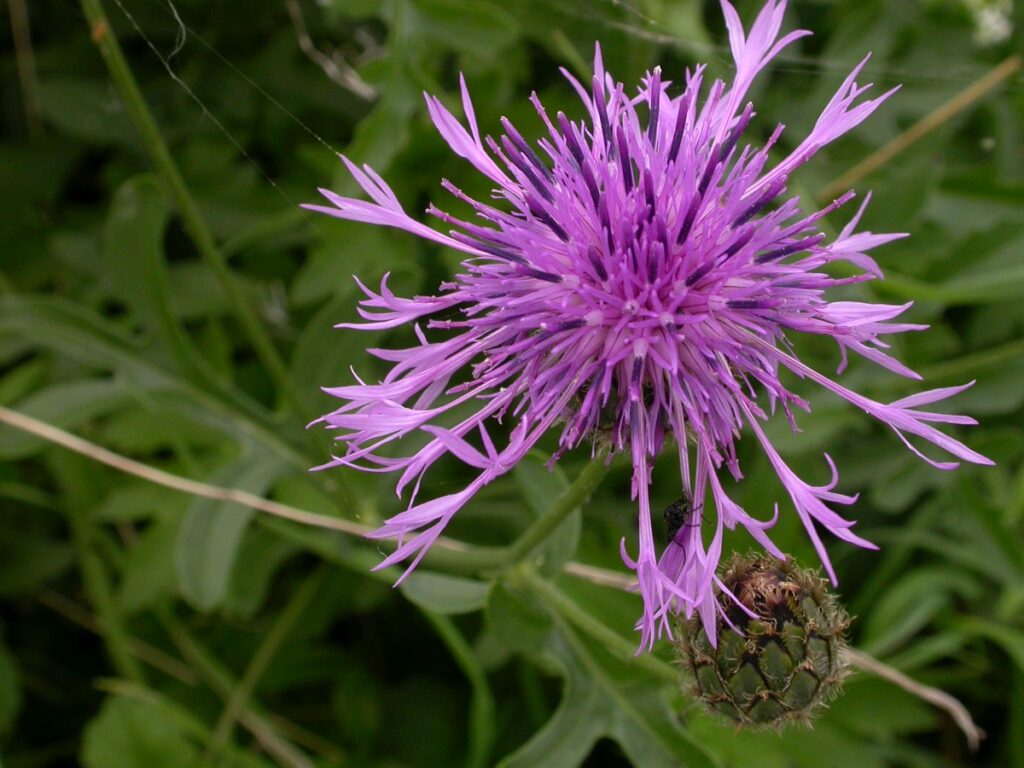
x=678 y=515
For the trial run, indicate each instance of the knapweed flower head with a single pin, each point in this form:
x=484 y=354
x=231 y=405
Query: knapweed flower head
x=635 y=277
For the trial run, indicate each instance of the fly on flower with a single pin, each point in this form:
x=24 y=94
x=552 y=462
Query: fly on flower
x=643 y=263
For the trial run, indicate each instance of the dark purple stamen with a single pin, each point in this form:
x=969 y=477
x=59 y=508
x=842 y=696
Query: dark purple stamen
x=547 y=277
x=591 y=182
x=493 y=250
x=691 y=215
x=698 y=273
x=654 y=97
x=677 y=131
x=521 y=162
x=773 y=191
x=652 y=204
x=595 y=261
x=741 y=125
x=624 y=162
x=788 y=250
x=570 y=139
x=526 y=150
x=709 y=170
x=539 y=213
x=738 y=243
x=602 y=113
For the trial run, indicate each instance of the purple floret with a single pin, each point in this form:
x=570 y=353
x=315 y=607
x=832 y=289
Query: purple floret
x=636 y=281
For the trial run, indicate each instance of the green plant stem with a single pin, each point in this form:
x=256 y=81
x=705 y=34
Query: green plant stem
x=271 y=644
x=25 y=59
x=493 y=559
x=101 y=595
x=615 y=643
x=170 y=709
x=105 y=39
x=223 y=683
x=481 y=714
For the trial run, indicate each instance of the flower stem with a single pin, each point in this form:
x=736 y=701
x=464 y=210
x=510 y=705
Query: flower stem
x=570 y=499
x=492 y=559
x=105 y=39
x=941 y=115
x=611 y=640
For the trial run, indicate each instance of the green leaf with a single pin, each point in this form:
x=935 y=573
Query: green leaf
x=477 y=27
x=85 y=109
x=132 y=734
x=80 y=334
x=356 y=704
x=212 y=533
x=604 y=697
x=911 y=602
x=518 y=623
x=1010 y=639
x=148 y=574
x=29 y=559
x=864 y=697
x=445 y=594
x=261 y=556
x=321 y=354
x=137 y=501
x=998 y=286
x=133 y=252
x=569 y=735
x=65 y=405
x=20 y=380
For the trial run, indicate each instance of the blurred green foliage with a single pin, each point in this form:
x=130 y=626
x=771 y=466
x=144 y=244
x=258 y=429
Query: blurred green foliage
x=143 y=628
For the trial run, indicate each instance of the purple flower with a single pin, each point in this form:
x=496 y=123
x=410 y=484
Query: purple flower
x=636 y=279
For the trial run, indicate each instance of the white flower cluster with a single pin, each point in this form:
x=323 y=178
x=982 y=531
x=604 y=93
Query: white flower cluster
x=993 y=20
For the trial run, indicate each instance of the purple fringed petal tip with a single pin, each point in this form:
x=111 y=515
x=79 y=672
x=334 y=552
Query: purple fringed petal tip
x=637 y=281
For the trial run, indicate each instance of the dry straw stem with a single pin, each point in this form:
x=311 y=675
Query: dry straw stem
x=922 y=127
x=154 y=657
x=334 y=65
x=867 y=663
x=260 y=726
x=857 y=659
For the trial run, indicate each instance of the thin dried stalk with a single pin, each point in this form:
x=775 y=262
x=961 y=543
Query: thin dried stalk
x=603 y=577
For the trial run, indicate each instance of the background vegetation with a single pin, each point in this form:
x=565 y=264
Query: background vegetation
x=185 y=321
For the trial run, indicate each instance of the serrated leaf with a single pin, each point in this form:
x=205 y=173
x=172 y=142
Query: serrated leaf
x=603 y=697
x=568 y=736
